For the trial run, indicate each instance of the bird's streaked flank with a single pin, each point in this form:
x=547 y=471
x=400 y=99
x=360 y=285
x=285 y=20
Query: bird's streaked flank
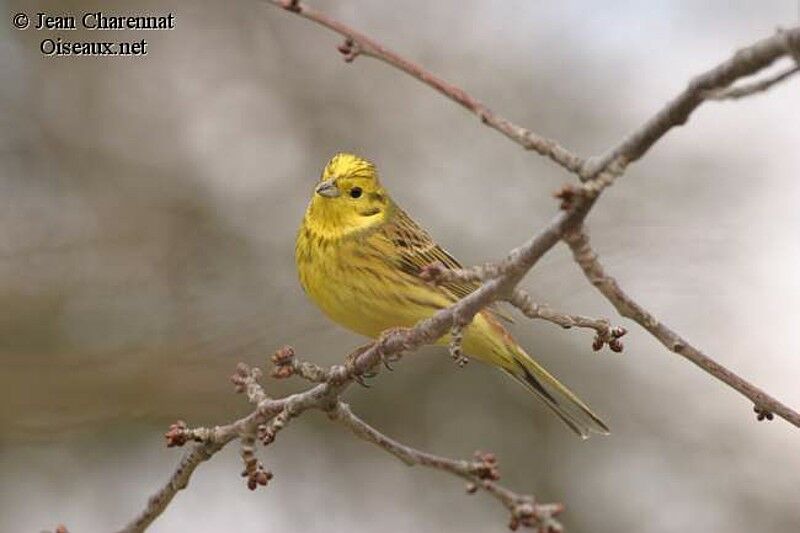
x=360 y=257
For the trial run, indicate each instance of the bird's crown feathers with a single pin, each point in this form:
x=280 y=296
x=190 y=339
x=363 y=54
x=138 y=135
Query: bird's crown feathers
x=344 y=165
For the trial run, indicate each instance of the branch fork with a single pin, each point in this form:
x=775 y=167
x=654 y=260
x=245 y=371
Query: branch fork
x=271 y=416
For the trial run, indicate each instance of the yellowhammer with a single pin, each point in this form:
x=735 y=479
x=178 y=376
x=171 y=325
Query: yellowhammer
x=359 y=257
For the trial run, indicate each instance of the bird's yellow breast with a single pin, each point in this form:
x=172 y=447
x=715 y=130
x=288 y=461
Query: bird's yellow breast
x=353 y=281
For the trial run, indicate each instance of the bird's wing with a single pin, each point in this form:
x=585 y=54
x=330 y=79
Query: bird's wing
x=416 y=249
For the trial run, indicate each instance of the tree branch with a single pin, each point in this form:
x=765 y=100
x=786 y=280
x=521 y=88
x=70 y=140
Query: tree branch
x=270 y=415
x=498 y=282
x=481 y=473
x=578 y=242
x=746 y=62
x=735 y=93
x=605 y=332
x=437 y=273
x=356 y=44
x=212 y=442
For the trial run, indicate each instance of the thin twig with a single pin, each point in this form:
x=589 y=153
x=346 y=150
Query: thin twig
x=605 y=333
x=587 y=259
x=735 y=93
x=179 y=478
x=272 y=415
x=286 y=365
x=481 y=473
x=254 y=471
x=437 y=273
x=356 y=43
x=245 y=380
x=208 y=441
x=746 y=62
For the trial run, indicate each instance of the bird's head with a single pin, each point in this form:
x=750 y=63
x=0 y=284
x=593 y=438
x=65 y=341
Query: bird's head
x=349 y=197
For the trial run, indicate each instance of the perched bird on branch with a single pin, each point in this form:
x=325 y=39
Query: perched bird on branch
x=360 y=258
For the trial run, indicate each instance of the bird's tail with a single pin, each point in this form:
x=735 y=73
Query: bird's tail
x=556 y=396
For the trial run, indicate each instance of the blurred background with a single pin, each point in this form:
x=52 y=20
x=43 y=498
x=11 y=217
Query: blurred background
x=148 y=209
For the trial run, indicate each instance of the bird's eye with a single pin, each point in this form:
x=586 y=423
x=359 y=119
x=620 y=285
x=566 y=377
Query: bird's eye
x=355 y=192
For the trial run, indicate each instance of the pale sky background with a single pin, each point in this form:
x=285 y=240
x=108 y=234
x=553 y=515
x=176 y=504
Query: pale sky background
x=148 y=208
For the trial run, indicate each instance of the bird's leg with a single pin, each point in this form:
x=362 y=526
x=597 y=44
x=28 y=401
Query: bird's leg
x=380 y=344
x=456 y=351
x=350 y=364
x=456 y=340
x=385 y=337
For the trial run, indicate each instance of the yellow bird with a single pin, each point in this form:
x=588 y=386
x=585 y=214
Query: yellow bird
x=359 y=257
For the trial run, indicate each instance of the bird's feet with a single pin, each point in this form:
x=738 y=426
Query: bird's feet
x=390 y=336
x=387 y=356
x=351 y=364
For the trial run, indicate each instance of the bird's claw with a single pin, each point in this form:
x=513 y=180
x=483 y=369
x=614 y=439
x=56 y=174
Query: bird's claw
x=387 y=335
x=352 y=358
x=387 y=360
x=350 y=364
x=351 y=361
x=360 y=380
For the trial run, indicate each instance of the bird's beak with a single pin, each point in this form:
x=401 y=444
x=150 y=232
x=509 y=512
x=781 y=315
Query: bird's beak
x=328 y=189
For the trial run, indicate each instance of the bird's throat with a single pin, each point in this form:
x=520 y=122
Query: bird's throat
x=330 y=223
